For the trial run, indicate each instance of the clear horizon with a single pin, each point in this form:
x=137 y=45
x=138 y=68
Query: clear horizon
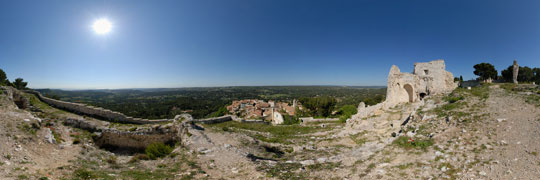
x=176 y=44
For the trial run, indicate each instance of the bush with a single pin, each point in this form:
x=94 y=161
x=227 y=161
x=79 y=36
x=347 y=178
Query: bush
x=290 y=120
x=111 y=160
x=83 y=174
x=346 y=112
x=76 y=141
x=157 y=150
x=138 y=157
x=453 y=99
x=409 y=143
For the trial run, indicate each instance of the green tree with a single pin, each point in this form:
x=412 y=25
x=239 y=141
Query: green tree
x=20 y=84
x=3 y=78
x=536 y=75
x=525 y=74
x=485 y=71
x=507 y=74
x=319 y=106
x=460 y=78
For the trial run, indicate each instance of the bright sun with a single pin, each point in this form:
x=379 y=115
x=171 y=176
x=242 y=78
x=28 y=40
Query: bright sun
x=102 y=26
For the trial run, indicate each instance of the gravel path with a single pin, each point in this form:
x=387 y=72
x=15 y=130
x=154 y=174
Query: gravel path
x=517 y=126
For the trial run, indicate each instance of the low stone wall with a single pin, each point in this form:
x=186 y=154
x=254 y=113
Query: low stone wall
x=98 y=112
x=215 y=120
x=82 y=124
x=311 y=119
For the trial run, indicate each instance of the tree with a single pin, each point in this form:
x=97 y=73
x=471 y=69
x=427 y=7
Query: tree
x=19 y=84
x=525 y=74
x=536 y=75
x=507 y=74
x=319 y=106
x=3 y=78
x=460 y=78
x=485 y=71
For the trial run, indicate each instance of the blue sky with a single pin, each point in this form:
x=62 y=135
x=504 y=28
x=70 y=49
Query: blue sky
x=257 y=42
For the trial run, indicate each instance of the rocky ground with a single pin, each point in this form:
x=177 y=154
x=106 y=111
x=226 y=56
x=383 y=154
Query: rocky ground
x=488 y=132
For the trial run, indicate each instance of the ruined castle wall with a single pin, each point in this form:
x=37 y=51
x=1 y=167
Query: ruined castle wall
x=104 y=114
x=437 y=79
x=427 y=79
x=398 y=83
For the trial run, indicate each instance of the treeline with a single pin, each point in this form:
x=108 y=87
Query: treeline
x=327 y=106
x=18 y=83
x=486 y=71
x=211 y=101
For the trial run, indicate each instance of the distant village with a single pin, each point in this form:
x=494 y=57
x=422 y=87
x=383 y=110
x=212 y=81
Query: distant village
x=259 y=109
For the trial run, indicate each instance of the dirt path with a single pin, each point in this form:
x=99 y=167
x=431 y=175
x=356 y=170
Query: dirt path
x=517 y=133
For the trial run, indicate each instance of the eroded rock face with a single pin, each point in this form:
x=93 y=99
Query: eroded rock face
x=16 y=96
x=427 y=79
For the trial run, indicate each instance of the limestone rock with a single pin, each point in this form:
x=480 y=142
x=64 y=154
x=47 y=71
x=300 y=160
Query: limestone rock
x=49 y=137
x=515 y=71
x=427 y=79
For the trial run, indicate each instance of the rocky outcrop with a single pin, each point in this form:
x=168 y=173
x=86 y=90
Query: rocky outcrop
x=16 y=96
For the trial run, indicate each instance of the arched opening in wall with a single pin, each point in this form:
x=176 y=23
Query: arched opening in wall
x=409 y=90
x=422 y=95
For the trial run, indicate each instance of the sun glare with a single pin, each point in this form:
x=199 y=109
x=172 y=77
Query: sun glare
x=102 y=26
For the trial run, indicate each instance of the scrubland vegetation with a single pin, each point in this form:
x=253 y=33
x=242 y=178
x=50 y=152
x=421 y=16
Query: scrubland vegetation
x=211 y=102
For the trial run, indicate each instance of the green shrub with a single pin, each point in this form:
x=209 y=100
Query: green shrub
x=157 y=150
x=481 y=92
x=83 y=174
x=22 y=176
x=111 y=160
x=138 y=157
x=453 y=99
x=76 y=141
x=346 y=112
x=410 y=143
x=289 y=120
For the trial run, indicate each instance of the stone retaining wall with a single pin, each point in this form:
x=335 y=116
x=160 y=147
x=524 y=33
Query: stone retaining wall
x=215 y=120
x=98 y=112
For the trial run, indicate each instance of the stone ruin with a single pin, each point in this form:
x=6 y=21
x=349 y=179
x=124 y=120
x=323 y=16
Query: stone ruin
x=515 y=72
x=429 y=78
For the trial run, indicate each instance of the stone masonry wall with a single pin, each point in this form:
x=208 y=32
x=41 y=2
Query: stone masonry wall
x=104 y=114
